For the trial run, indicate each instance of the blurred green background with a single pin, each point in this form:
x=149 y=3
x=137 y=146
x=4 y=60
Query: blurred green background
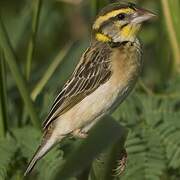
x=41 y=41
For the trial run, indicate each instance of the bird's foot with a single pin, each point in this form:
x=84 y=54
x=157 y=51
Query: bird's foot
x=80 y=134
x=122 y=163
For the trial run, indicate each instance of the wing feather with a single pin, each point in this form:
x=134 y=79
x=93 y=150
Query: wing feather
x=93 y=70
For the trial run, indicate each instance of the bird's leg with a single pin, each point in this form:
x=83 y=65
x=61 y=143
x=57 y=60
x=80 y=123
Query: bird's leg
x=83 y=132
x=79 y=133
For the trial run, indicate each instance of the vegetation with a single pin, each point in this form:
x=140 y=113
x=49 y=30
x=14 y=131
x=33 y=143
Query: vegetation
x=40 y=43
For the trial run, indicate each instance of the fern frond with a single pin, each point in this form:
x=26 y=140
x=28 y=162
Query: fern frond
x=8 y=148
x=146 y=157
x=169 y=131
x=28 y=140
x=50 y=164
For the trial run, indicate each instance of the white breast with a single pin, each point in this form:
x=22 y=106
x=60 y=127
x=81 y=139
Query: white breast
x=93 y=106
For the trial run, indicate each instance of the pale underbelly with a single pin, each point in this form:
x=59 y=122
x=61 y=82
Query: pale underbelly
x=97 y=104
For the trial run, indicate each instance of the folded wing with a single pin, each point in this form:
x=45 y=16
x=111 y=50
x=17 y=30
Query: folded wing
x=93 y=70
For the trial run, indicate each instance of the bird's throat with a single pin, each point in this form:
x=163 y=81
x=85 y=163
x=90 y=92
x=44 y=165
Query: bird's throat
x=102 y=37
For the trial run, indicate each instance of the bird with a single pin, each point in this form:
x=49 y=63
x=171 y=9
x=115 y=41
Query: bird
x=105 y=75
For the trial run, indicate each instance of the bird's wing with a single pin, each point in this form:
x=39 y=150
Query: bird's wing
x=93 y=70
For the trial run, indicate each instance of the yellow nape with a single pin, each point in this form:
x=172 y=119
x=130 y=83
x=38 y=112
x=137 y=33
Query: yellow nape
x=130 y=30
x=102 y=37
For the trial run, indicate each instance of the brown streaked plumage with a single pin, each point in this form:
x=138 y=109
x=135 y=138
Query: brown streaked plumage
x=92 y=71
x=105 y=75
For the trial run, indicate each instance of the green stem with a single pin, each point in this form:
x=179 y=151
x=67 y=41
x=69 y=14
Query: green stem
x=145 y=88
x=21 y=84
x=99 y=140
x=84 y=175
x=50 y=71
x=112 y=158
x=172 y=34
x=2 y=130
x=149 y=92
x=94 y=7
x=31 y=45
x=3 y=97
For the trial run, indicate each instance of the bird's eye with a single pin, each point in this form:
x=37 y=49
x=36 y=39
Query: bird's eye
x=121 y=16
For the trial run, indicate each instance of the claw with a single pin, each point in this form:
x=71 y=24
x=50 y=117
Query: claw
x=80 y=134
x=122 y=163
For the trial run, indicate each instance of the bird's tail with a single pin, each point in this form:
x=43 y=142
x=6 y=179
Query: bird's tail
x=40 y=152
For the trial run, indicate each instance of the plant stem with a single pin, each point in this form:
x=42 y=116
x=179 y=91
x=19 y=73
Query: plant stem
x=149 y=92
x=145 y=88
x=172 y=34
x=2 y=130
x=84 y=175
x=98 y=141
x=113 y=156
x=94 y=8
x=17 y=75
x=3 y=97
x=50 y=71
x=31 y=45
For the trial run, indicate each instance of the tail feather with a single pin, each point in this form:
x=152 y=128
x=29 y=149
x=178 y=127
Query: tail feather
x=33 y=161
x=42 y=150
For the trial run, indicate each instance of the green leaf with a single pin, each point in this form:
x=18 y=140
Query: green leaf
x=7 y=152
x=50 y=71
x=21 y=84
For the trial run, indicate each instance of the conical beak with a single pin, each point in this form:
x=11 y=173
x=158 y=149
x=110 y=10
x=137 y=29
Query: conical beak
x=142 y=15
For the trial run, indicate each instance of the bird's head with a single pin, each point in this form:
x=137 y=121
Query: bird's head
x=117 y=23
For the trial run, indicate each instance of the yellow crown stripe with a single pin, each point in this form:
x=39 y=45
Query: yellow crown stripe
x=109 y=15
